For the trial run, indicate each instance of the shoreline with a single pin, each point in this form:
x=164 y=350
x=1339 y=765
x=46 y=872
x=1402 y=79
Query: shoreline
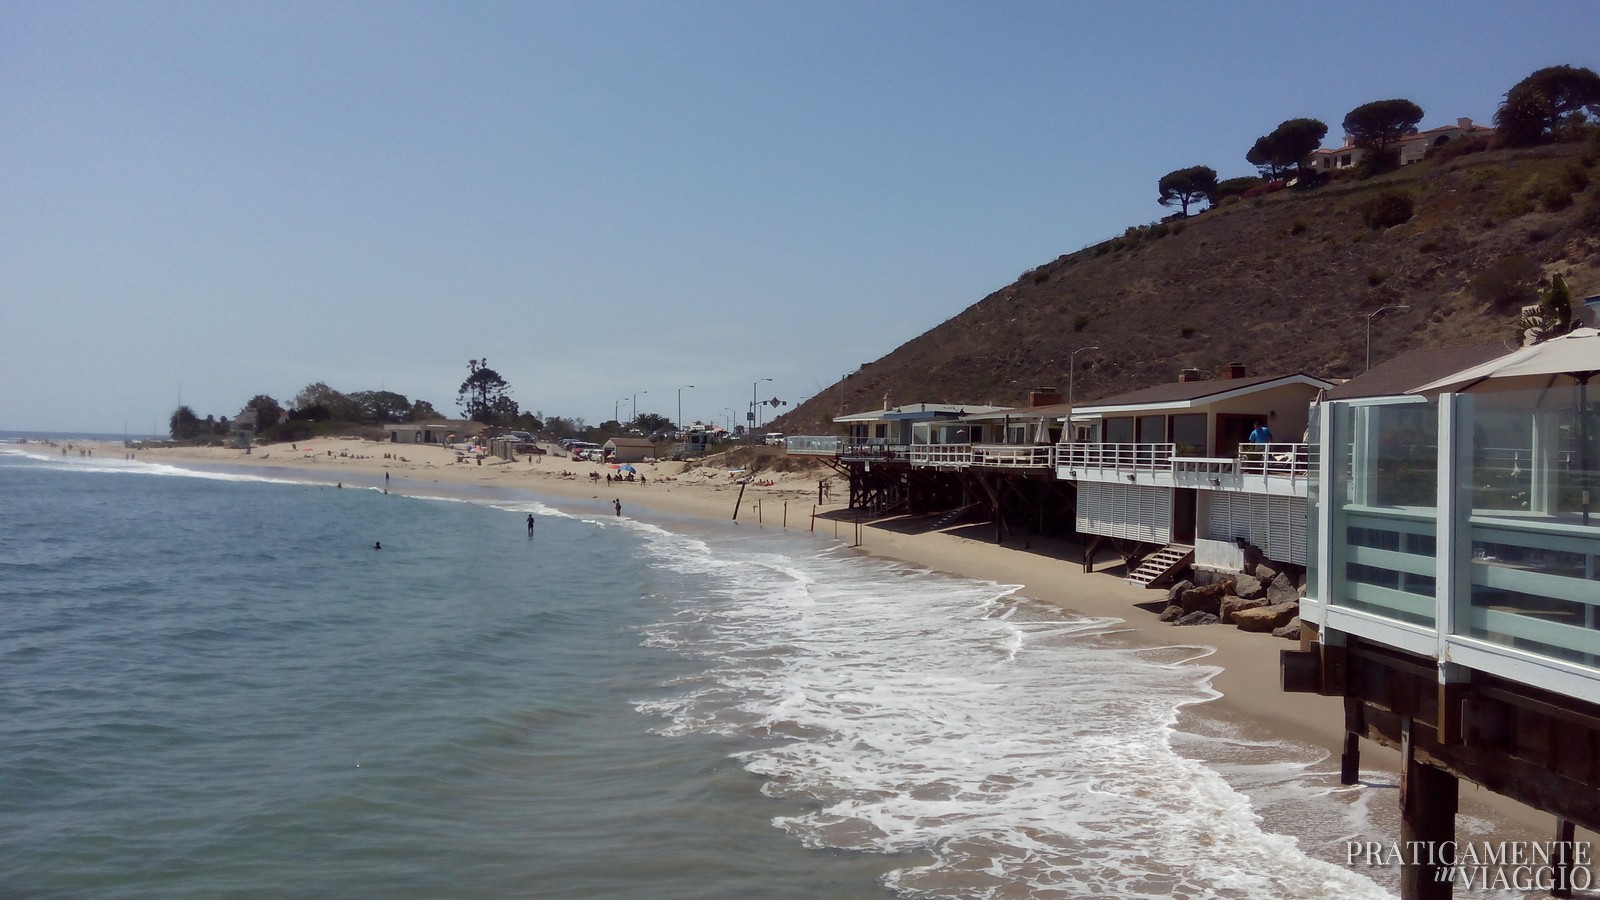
x=1247 y=680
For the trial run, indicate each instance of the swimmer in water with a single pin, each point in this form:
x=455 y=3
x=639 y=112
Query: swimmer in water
x=377 y=545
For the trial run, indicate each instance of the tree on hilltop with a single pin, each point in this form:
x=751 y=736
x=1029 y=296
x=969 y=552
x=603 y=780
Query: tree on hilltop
x=1182 y=187
x=1378 y=125
x=485 y=396
x=1538 y=106
x=1287 y=146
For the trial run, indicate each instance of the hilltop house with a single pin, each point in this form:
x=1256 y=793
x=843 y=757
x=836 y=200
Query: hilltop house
x=1412 y=149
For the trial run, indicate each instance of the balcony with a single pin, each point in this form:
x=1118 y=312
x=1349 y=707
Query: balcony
x=1278 y=469
x=866 y=451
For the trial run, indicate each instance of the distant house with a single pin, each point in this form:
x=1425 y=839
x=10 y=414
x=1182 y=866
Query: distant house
x=242 y=431
x=624 y=449
x=441 y=431
x=1412 y=149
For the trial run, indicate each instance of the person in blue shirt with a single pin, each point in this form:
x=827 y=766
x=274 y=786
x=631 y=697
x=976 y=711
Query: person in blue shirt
x=1261 y=435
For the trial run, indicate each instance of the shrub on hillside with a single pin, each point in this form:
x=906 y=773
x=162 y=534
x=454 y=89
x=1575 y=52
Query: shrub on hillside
x=1456 y=149
x=1507 y=283
x=1388 y=209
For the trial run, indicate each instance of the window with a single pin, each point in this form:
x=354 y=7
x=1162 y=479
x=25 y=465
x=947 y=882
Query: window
x=1189 y=434
x=1118 y=430
x=1152 y=429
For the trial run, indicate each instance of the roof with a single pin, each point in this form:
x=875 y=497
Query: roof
x=915 y=411
x=1052 y=411
x=1414 y=369
x=1182 y=393
x=630 y=442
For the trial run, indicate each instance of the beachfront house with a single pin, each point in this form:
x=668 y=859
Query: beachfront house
x=1171 y=469
x=1454 y=585
x=441 y=431
x=242 y=430
x=628 y=450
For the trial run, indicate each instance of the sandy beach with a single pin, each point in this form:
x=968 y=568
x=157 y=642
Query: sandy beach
x=1048 y=571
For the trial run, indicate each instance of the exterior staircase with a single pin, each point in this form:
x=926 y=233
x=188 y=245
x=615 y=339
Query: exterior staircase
x=950 y=517
x=1160 y=565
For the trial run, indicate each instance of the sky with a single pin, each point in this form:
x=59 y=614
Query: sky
x=611 y=201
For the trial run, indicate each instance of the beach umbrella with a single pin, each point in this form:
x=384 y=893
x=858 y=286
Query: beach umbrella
x=1572 y=359
x=627 y=468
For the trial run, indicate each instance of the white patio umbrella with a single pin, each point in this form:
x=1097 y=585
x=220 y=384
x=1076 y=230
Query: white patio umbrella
x=1571 y=359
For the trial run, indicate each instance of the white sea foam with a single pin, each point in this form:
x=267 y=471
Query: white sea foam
x=1027 y=753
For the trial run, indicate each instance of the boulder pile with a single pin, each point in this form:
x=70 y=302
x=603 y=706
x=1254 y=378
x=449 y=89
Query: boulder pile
x=1265 y=597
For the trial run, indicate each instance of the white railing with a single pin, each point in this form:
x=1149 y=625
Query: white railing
x=941 y=454
x=1282 y=460
x=1014 y=456
x=1119 y=457
x=1204 y=466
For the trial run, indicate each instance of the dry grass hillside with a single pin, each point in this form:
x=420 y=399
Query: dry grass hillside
x=1280 y=283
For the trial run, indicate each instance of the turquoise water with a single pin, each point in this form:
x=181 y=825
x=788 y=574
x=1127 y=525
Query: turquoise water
x=214 y=685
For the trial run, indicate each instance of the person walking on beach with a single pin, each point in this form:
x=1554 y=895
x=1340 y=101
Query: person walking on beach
x=617 y=504
x=530 y=524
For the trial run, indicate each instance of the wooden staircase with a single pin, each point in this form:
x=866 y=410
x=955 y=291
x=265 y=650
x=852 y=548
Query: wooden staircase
x=1160 y=565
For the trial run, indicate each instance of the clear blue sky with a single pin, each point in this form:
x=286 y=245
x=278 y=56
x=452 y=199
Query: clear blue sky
x=612 y=198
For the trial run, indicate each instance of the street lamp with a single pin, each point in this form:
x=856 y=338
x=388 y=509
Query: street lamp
x=1072 y=371
x=729 y=418
x=680 y=406
x=752 y=419
x=1370 y=316
x=615 y=411
x=635 y=413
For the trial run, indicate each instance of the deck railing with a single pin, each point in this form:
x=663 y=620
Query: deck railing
x=941 y=454
x=1283 y=460
x=814 y=445
x=1014 y=456
x=1118 y=457
x=870 y=451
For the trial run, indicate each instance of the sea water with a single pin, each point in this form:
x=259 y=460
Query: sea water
x=213 y=684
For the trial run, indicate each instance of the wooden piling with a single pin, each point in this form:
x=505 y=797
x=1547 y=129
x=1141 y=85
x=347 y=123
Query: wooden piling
x=1428 y=800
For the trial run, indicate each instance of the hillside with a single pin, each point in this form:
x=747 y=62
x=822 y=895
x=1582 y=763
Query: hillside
x=1280 y=283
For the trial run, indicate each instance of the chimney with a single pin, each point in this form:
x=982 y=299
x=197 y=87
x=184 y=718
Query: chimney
x=1191 y=375
x=888 y=400
x=1044 y=396
x=1233 y=370
x=1464 y=123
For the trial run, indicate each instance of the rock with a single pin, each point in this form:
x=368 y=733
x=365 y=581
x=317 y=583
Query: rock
x=1197 y=618
x=1177 y=591
x=1282 y=590
x=1205 y=599
x=1290 y=631
x=1265 y=618
x=1248 y=587
x=1172 y=613
x=1231 y=605
x=1266 y=571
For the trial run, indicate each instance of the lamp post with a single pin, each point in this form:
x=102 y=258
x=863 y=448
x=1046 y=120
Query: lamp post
x=752 y=419
x=841 y=392
x=635 y=412
x=1072 y=371
x=1370 y=316
x=616 y=411
x=680 y=407
x=729 y=418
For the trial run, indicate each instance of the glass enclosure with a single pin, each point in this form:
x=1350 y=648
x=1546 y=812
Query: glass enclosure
x=1385 y=482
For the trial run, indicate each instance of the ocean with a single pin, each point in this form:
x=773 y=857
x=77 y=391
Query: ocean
x=212 y=684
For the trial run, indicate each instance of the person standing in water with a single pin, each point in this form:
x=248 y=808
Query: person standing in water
x=530 y=524
x=618 y=505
